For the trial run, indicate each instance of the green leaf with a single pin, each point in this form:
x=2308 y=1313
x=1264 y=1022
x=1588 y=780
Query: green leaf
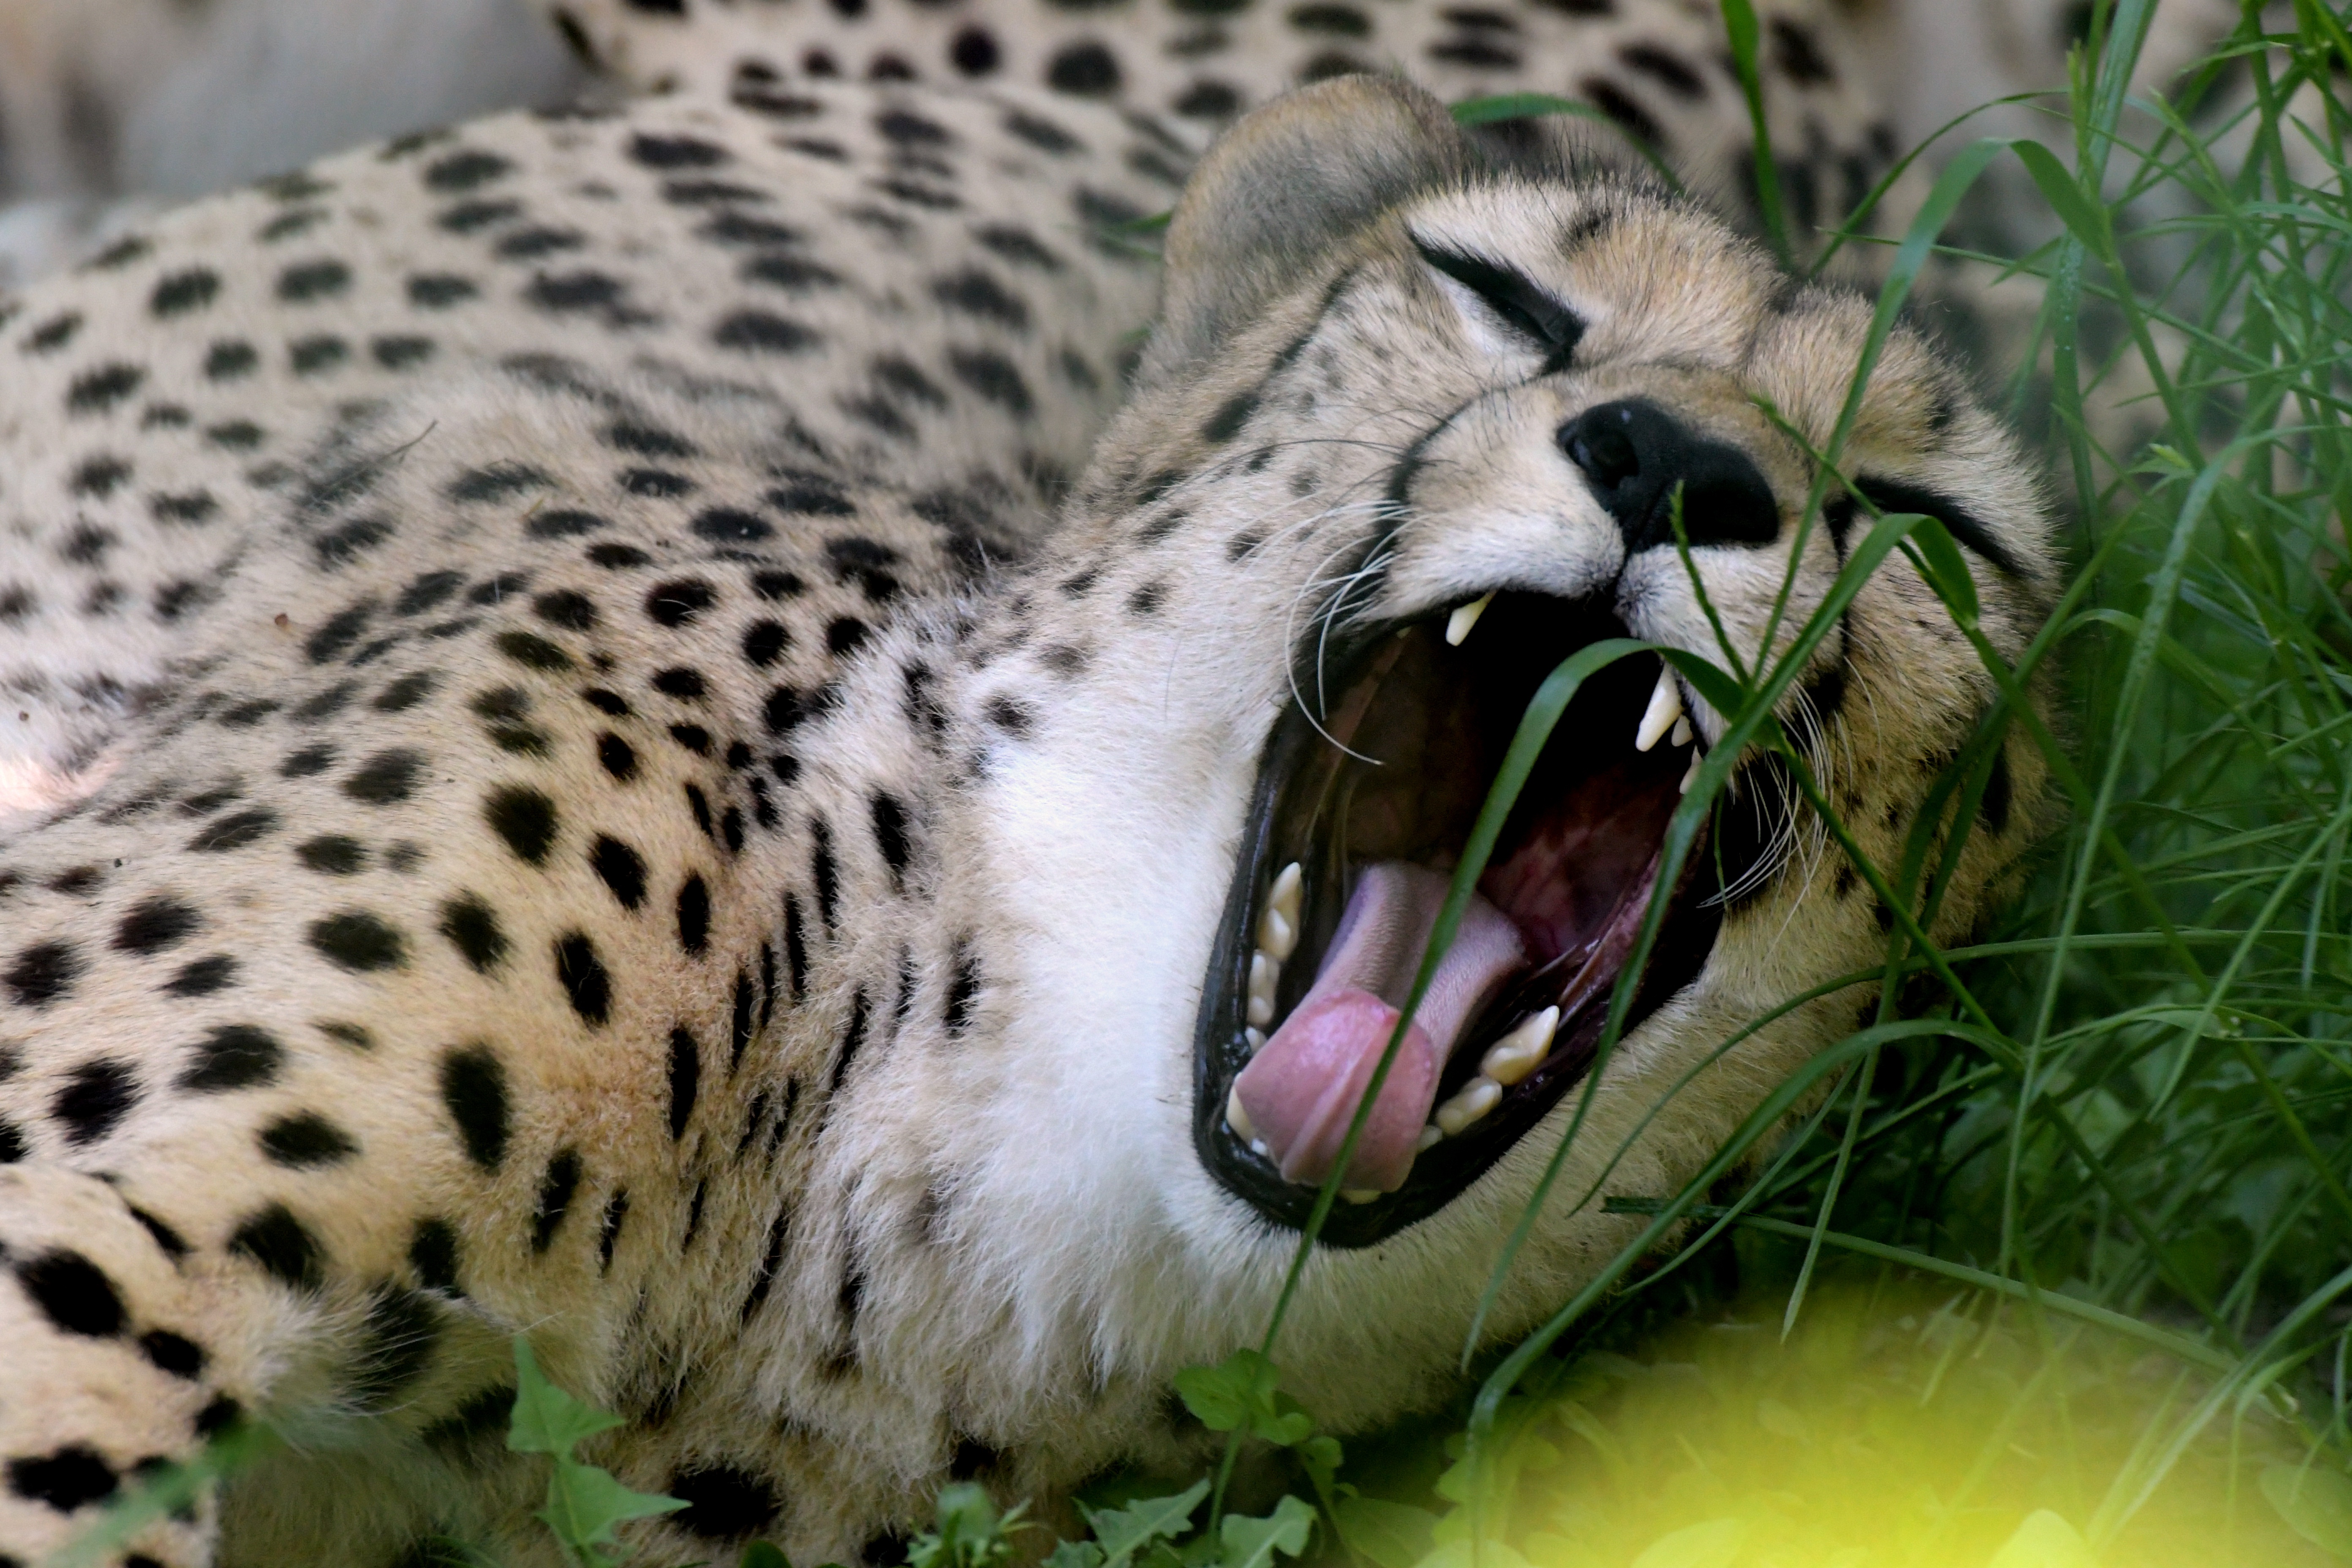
x=1124 y=1531
x=1390 y=1534
x=585 y=1501
x=2315 y=1503
x=546 y=1419
x=1075 y=1554
x=1241 y=1391
x=763 y=1554
x=1740 y=30
x=2077 y=211
x=1948 y=571
x=1251 y=1543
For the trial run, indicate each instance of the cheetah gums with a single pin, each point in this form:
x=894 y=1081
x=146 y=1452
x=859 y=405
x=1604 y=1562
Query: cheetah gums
x=660 y=734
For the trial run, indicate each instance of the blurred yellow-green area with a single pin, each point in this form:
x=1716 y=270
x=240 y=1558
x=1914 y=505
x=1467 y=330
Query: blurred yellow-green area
x=1895 y=1428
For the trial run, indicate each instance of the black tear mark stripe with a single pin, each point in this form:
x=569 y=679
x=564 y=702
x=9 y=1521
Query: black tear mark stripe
x=1897 y=496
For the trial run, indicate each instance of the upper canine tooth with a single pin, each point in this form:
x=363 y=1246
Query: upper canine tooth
x=1518 y=1053
x=1264 y=974
x=1458 y=624
x=1666 y=708
x=1681 y=735
x=1470 y=1103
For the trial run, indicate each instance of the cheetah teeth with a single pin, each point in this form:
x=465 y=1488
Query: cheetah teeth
x=1278 y=939
x=1664 y=713
x=1690 y=774
x=1471 y=1103
x=1511 y=1058
x=1458 y=624
x=1238 y=1119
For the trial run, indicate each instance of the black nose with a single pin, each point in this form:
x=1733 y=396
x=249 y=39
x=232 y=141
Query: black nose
x=1634 y=454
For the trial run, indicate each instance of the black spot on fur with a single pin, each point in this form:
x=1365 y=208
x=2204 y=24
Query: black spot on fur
x=95 y=1099
x=155 y=924
x=433 y=1255
x=63 y=1480
x=472 y=928
x=822 y=868
x=176 y=1354
x=73 y=1294
x=202 y=976
x=673 y=604
x=582 y=974
x=619 y=758
x=621 y=869
x=332 y=855
x=525 y=819
x=694 y=915
x=474 y=1091
x=359 y=941
x=233 y=1055
x=396 y=1345
x=387 y=777
x=305 y=1139
x=235 y=832
x=556 y=1188
x=282 y=1245
x=684 y=1074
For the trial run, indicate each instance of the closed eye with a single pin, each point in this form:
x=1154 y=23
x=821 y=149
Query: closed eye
x=1549 y=326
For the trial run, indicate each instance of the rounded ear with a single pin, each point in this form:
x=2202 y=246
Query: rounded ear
x=1279 y=189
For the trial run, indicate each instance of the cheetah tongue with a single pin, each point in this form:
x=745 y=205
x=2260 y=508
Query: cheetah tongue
x=1301 y=1088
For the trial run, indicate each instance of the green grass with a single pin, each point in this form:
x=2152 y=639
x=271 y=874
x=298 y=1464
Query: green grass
x=2113 y=1134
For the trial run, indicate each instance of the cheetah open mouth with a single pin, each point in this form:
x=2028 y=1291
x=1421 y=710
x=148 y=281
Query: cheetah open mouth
x=1357 y=823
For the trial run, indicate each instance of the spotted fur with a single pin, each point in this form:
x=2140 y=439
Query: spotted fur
x=684 y=772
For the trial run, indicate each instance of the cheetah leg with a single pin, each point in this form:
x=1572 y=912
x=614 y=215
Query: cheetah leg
x=127 y=1348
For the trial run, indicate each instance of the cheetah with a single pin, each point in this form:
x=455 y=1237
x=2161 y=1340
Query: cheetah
x=727 y=775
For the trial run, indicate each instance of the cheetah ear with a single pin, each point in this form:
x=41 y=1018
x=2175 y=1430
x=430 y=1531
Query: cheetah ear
x=1278 y=190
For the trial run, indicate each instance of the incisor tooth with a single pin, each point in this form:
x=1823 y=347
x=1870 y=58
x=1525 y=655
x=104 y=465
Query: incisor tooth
x=1470 y=1103
x=1256 y=1038
x=1431 y=1137
x=1275 y=935
x=1359 y=1195
x=1458 y=624
x=1263 y=973
x=1518 y=1053
x=1681 y=735
x=1666 y=708
x=1690 y=774
x=1238 y=1119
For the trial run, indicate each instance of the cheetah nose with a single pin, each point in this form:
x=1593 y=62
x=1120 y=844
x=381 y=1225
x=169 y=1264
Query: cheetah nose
x=1634 y=454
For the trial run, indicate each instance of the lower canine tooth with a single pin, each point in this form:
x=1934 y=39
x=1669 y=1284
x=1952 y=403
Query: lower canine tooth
x=1518 y=1053
x=1690 y=775
x=1431 y=1137
x=1359 y=1195
x=1238 y=1119
x=1681 y=731
x=1458 y=624
x=1264 y=974
x=1665 y=711
x=1470 y=1103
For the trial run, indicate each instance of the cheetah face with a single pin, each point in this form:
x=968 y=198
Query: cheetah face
x=1585 y=357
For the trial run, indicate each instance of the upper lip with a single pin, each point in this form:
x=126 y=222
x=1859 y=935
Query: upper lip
x=1388 y=680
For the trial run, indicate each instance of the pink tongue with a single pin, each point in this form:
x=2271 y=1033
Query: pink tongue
x=1301 y=1089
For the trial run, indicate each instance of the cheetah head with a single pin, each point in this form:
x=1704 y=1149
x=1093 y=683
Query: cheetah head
x=1407 y=436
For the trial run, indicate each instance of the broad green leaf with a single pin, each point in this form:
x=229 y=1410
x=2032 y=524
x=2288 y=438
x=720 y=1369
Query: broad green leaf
x=585 y=1502
x=1075 y=1554
x=2044 y=1541
x=1124 y=1531
x=2317 y=1503
x=1391 y=1534
x=1224 y=1396
x=546 y=1419
x=1251 y=1543
x=1710 y=1545
x=763 y=1554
